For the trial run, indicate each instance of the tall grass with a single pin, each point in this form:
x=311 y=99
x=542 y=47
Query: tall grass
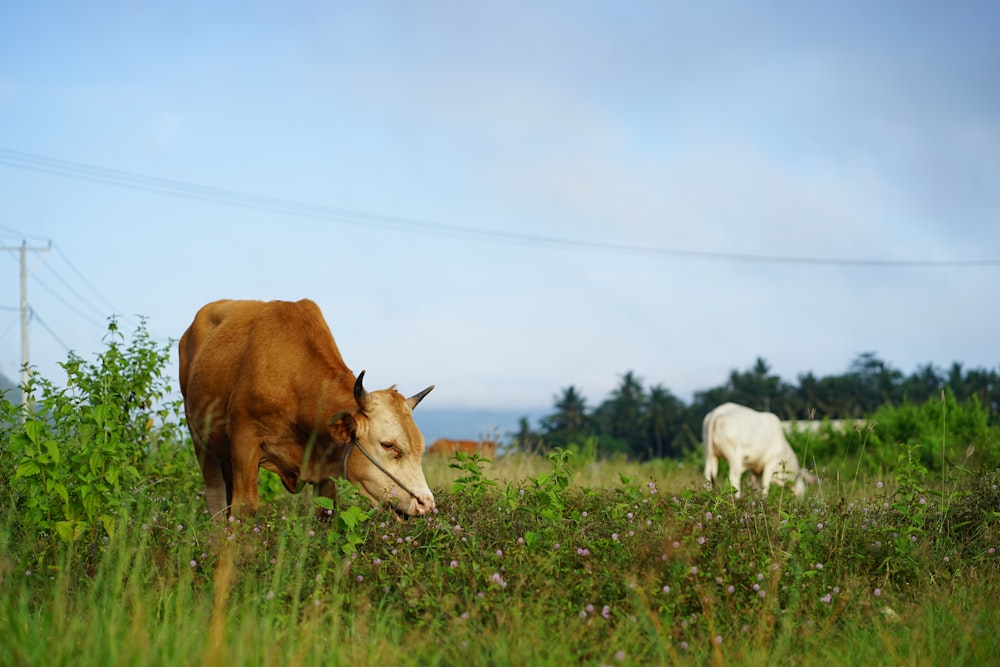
x=529 y=560
x=629 y=572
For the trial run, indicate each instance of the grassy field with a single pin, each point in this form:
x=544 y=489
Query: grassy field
x=531 y=561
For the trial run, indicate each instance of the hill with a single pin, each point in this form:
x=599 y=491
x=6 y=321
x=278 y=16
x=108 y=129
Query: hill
x=8 y=385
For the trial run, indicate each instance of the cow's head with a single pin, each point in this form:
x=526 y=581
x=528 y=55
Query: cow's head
x=385 y=462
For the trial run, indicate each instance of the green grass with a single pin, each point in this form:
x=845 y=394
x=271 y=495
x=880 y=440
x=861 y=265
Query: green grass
x=559 y=562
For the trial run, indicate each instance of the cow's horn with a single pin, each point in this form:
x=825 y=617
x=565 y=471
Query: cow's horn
x=416 y=398
x=360 y=395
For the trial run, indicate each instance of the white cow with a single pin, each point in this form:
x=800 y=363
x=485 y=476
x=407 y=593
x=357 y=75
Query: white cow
x=754 y=441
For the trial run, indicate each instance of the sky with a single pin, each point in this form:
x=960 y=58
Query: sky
x=505 y=199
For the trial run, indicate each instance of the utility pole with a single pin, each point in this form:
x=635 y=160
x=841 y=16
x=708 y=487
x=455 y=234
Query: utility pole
x=25 y=309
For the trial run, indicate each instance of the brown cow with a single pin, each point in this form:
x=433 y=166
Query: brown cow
x=446 y=447
x=264 y=385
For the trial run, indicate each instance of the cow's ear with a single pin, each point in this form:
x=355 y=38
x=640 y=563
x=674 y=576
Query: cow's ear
x=343 y=427
x=416 y=398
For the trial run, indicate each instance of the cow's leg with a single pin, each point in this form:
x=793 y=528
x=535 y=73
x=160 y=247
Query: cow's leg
x=711 y=468
x=774 y=473
x=735 y=474
x=246 y=455
x=217 y=486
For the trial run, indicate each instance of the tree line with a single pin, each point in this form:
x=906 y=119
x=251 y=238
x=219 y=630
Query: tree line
x=652 y=422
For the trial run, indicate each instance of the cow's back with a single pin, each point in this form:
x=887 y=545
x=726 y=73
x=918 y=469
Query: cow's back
x=260 y=359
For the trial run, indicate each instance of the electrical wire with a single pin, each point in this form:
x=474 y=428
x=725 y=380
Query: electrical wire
x=37 y=317
x=67 y=303
x=186 y=190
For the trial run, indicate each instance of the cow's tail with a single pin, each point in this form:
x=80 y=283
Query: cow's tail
x=711 y=462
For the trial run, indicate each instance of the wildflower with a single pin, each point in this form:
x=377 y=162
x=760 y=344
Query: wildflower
x=731 y=589
x=584 y=513
x=666 y=589
x=498 y=580
x=684 y=646
x=499 y=553
x=360 y=578
x=556 y=546
x=27 y=573
x=614 y=536
x=676 y=545
x=312 y=533
x=991 y=550
x=620 y=656
x=606 y=611
x=756 y=587
x=878 y=485
x=826 y=598
x=270 y=595
x=761 y=593
x=819 y=566
x=718 y=639
x=520 y=540
x=193 y=563
x=694 y=569
x=819 y=526
x=453 y=563
x=708 y=516
x=836 y=590
x=377 y=561
x=877 y=592
x=701 y=539
x=583 y=613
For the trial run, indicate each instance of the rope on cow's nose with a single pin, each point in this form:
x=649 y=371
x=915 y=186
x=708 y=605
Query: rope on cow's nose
x=355 y=443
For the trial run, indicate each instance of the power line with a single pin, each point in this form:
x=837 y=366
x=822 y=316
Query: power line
x=37 y=317
x=67 y=303
x=80 y=298
x=19 y=234
x=186 y=190
x=84 y=280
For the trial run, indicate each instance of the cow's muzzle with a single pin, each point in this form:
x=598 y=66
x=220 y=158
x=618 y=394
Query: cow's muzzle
x=421 y=503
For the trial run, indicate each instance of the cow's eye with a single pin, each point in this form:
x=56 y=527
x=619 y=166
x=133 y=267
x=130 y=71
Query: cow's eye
x=392 y=449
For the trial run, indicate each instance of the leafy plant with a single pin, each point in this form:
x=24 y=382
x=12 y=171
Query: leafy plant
x=77 y=450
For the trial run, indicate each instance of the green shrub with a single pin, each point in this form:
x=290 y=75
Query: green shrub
x=74 y=455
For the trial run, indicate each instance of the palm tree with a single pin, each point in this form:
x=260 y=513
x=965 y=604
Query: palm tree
x=626 y=407
x=569 y=420
x=663 y=422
